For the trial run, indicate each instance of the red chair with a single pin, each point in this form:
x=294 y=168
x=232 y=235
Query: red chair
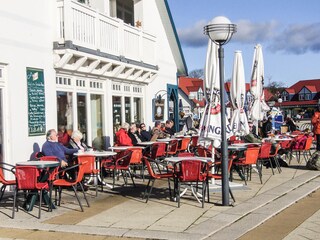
x=8 y=168
x=90 y=168
x=191 y=171
x=158 y=151
x=304 y=151
x=245 y=163
x=121 y=163
x=193 y=144
x=183 y=144
x=203 y=152
x=136 y=160
x=27 y=179
x=155 y=174
x=172 y=147
x=264 y=155
x=63 y=183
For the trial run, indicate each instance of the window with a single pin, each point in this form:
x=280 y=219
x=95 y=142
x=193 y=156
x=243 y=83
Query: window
x=127 y=109
x=82 y=114
x=64 y=109
x=125 y=11
x=308 y=96
x=116 y=104
x=137 y=110
x=301 y=96
x=96 y=115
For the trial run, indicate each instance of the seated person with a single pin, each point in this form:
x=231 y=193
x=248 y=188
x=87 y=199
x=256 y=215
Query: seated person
x=53 y=148
x=122 y=137
x=144 y=134
x=169 y=128
x=134 y=134
x=251 y=137
x=157 y=132
x=76 y=141
x=63 y=136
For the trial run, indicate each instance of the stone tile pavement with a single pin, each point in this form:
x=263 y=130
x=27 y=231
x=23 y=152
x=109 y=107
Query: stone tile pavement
x=122 y=212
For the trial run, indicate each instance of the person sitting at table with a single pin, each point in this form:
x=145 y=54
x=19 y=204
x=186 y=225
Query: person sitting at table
x=144 y=134
x=122 y=137
x=267 y=127
x=53 y=148
x=291 y=124
x=157 y=132
x=76 y=141
x=169 y=128
x=134 y=134
x=63 y=136
x=251 y=137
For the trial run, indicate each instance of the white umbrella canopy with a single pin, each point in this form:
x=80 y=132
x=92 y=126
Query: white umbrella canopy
x=210 y=124
x=239 y=121
x=259 y=107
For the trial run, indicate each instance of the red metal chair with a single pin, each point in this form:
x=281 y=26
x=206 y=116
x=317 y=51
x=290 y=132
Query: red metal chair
x=90 y=168
x=183 y=144
x=172 y=147
x=136 y=160
x=203 y=152
x=193 y=144
x=264 y=155
x=27 y=179
x=245 y=163
x=191 y=171
x=63 y=183
x=304 y=151
x=155 y=173
x=121 y=163
x=8 y=168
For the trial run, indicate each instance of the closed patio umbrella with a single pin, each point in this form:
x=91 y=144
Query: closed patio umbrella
x=259 y=106
x=210 y=124
x=239 y=121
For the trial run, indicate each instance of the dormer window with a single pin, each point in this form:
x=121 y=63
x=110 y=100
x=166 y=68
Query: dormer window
x=285 y=96
x=200 y=95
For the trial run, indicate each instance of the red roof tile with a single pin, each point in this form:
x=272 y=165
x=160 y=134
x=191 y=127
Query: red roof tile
x=303 y=83
x=188 y=85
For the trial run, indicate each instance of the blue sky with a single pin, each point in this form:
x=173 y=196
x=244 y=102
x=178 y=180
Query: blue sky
x=288 y=30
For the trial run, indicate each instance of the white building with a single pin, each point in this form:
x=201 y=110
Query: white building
x=89 y=65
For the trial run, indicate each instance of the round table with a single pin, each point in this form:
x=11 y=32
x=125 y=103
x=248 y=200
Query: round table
x=178 y=159
x=146 y=143
x=39 y=164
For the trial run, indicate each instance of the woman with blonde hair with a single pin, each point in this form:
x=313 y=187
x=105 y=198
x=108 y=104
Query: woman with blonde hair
x=76 y=141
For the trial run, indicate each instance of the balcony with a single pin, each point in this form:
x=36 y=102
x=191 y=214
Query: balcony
x=88 y=29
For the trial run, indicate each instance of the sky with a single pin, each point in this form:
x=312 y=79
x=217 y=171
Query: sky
x=288 y=30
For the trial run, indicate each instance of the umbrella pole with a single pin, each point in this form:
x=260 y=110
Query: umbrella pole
x=212 y=160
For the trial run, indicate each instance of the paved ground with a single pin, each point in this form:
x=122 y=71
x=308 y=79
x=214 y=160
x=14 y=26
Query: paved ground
x=122 y=212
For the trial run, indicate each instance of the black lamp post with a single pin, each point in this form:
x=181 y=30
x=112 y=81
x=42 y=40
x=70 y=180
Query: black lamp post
x=220 y=31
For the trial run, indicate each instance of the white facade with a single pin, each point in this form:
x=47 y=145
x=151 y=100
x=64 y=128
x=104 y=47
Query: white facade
x=90 y=60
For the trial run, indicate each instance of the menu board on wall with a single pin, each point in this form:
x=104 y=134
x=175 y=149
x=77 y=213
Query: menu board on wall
x=36 y=102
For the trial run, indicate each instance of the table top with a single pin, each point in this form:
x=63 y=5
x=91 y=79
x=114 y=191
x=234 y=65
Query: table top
x=237 y=148
x=96 y=153
x=121 y=148
x=178 y=159
x=244 y=144
x=39 y=164
x=146 y=143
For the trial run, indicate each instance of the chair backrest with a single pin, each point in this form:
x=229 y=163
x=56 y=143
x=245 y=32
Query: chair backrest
x=203 y=152
x=308 y=143
x=90 y=163
x=158 y=150
x=265 y=150
x=251 y=155
x=185 y=154
x=172 y=147
x=136 y=155
x=150 y=169
x=82 y=167
x=26 y=177
x=184 y=143
x=48 y=158
x=123 y=159
x=286 y=144
x=191 y=171
x=194 y=141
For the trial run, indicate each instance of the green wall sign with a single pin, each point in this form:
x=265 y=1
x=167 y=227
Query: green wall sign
x=36 y=102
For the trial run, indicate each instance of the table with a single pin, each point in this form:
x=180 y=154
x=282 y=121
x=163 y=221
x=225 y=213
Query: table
x=40 y=165
x=98 y=155
x=122 y=148
x=146 y=143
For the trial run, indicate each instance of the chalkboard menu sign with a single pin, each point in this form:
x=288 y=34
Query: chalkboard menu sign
x=36 y=102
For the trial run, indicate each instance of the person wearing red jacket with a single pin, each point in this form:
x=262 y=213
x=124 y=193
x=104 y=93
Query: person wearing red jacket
x=122 y=137
x=316 y=126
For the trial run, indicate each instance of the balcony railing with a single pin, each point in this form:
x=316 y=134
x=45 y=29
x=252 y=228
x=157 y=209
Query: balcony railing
x=88 y=28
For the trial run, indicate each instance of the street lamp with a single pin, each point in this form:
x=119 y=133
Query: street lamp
x=280 y=102
x=220 y=31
